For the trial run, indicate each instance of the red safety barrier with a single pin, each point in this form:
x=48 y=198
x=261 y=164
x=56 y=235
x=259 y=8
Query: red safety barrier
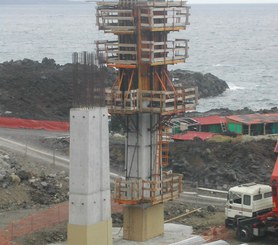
x=49 y=217
x=11 y=122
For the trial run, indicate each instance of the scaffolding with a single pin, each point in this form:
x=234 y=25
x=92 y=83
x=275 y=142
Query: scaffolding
x=143 y=94
x=162 y=102
x=120 y=17
x=138 y=191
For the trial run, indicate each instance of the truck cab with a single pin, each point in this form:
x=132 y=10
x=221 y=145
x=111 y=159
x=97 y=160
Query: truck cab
x=247 y=200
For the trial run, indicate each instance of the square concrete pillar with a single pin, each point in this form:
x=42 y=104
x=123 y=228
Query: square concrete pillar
x=89 y=196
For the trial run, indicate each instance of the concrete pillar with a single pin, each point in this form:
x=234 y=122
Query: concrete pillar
x=141 y=146
x=89 y=201
x=143 y=222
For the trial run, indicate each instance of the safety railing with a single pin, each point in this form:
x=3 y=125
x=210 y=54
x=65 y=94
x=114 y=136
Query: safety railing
x=115 y=20
x=169 y=52
x=162 y=102
x=154 y=53
x=135 y=191
x=116 y=53
x=162 y=3
x=168 y=18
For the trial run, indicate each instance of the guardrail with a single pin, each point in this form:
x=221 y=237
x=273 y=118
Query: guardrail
x=135 y=191
x=132 y=101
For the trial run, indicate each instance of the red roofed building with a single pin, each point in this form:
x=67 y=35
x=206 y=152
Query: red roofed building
x=191 y=135
x=253 y=124
x=214 y=124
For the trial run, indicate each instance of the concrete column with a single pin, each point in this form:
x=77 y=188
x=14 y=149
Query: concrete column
x=145 y=221
x=141 y=147
x=89 y=202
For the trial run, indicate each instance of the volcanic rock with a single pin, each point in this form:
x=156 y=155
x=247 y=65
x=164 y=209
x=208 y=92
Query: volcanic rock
x=208 y=84
x=34 y=90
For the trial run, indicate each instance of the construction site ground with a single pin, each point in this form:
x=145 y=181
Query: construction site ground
x=43 y=183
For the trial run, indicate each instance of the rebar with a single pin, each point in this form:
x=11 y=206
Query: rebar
x=88 y=80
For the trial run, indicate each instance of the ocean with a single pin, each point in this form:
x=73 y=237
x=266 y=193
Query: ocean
x=237 y=43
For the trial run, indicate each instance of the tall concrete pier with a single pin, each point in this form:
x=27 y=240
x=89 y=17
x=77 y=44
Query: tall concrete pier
x=89 y=198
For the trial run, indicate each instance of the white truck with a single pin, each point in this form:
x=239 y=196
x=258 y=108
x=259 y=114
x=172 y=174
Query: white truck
x=245 y=207
x=247 y=200
x=252 y=209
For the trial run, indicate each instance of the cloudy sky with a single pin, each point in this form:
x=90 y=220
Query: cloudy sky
x=189 y=1
x=231 y=1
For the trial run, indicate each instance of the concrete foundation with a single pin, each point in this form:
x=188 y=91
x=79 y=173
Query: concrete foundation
x=89 y=196
x=142 y=222
x=100 y=233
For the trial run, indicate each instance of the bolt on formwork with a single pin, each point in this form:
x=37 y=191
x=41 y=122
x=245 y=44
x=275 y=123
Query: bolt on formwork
x=144 y=96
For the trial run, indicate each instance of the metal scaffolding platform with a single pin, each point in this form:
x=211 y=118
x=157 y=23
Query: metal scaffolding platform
x=161 y=102
x=136 y=191
x=143 y=94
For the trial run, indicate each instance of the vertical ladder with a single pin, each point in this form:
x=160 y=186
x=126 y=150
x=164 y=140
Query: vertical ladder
x=165 y=147
x=223 y=127
x=162 y=147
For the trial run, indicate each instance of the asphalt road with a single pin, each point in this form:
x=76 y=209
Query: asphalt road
x=26 y=142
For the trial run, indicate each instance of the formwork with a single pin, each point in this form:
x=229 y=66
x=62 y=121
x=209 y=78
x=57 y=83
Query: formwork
x=144 y=97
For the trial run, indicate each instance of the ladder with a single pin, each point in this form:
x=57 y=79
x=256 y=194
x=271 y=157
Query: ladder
x=223 y=127
x=162 y=147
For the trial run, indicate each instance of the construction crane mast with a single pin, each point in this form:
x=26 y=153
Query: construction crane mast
x=145 y=99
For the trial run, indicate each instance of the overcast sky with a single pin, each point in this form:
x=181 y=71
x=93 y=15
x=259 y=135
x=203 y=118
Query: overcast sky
x=231 y=1
x=189 y=1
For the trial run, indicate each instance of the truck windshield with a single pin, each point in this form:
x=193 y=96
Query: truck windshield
x=234 y=197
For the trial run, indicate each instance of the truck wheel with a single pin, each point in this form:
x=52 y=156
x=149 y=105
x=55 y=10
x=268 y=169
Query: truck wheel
x=229 y=223
x=244 y=233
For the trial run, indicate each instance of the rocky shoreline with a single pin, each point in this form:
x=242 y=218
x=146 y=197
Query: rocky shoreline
x=43 y=90
x=208 y=84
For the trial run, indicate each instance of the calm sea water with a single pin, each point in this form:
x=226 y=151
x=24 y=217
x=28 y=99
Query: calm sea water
x=238 y=43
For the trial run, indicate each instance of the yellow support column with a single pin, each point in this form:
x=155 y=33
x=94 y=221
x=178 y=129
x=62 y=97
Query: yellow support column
x=97 y=234
x=143 y=222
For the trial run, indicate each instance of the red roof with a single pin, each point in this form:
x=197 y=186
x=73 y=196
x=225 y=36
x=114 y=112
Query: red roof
x=191 y=135
x=276 y=147
x=255 y=118
x=211 y=120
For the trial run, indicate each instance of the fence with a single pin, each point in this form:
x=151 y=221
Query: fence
x=38 y=221
x=11 y=122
